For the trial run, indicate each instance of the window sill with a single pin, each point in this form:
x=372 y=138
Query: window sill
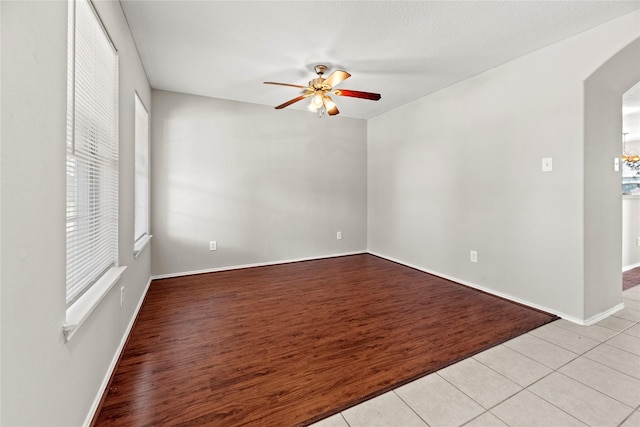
x=82 y=308
x=141 y=244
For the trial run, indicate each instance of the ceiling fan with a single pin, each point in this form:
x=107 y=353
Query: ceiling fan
x=320 y=88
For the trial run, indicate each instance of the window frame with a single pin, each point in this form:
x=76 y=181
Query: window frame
x=92 y=248
x=142 y=176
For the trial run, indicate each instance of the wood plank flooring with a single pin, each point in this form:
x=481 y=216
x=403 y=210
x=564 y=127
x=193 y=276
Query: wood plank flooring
x=290 y=344
x=630 y=278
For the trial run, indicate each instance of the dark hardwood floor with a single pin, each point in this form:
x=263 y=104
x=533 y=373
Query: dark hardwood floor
x=290 y=344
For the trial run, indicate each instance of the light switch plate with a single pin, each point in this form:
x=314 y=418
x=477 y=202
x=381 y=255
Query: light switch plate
x=547 y=164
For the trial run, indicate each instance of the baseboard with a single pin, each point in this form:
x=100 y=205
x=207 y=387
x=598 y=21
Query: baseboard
x=630 y=267
x=598 y=317
x=482 y=288
x=258 y=264
x=114 y=361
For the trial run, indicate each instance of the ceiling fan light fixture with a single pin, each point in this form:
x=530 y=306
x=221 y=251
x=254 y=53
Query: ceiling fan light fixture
x=319 y=88
x=317 y=100
x=330 y=106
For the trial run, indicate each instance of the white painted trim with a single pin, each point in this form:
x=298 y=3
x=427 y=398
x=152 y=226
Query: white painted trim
x=114 y=361
x=141 y=244
x=598 y=317
x=482 y=288
x=80 y=310
x=258 y=264
x=630 y=267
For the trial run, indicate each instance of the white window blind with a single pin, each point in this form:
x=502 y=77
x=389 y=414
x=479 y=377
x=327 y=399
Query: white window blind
x=92 y=152
x=141 y=208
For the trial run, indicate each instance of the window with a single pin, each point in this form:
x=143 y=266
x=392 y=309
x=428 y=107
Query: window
x=92 y=164
x=141 y=208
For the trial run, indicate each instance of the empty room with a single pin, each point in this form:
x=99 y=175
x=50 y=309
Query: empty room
x=338 y=213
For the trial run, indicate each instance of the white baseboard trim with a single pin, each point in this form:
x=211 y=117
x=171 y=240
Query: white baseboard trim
x=598 y=317
x=482 y=288
x=258 y=264
x=114 y=361
x=630 y=267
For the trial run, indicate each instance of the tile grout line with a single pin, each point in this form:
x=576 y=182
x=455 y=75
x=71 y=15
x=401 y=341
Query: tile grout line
x=345 y=420
x=637 y=409
x=412 y=410
x=486 y=411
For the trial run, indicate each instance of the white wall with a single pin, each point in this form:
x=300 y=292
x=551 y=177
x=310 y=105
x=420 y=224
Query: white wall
x=267 y=185
x=45 y=381
x=460 y=170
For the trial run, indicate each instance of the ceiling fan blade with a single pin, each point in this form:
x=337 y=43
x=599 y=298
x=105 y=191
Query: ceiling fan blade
x=284 y=84
x=291 y=101
x=358 y=94
x=336 y=77
x=330 y=106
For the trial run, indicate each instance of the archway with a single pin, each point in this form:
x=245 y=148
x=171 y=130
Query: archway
x=603 y=92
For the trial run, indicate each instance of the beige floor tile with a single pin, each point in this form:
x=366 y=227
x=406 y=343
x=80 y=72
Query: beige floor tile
x=626 y=342
x=632 y=293
x=588 y=405
x=541 y=351
x=606 y=380
x=382 y=411
x=486 y=420
x=628 y=313
x=631 y=303
x=477 y=381
x=616 y=323
x=332 y=421
x=566 y=339
x=518 y=368
x=634 y=330
x=595 y=332
x=613 y=357
x=525 y=409
x=632 y=421
x=438 y=402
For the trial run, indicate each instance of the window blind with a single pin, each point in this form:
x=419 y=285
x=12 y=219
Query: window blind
x=141 y=177
x=92 y=153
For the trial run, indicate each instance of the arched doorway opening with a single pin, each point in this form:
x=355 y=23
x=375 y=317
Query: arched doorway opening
x=603 y=92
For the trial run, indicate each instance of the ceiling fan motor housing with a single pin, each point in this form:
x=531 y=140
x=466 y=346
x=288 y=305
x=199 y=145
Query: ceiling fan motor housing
x=318 y=84
x=320 y=69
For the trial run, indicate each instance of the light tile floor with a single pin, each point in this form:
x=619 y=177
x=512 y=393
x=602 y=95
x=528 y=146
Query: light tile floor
x=561 y=374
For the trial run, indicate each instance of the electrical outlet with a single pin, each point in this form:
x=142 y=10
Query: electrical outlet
x=637 y=241
x=213 y=246
x=339 y=235
x=473 y=256
x=121 y=296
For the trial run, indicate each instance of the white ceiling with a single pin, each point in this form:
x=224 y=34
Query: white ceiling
x=403 y=50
